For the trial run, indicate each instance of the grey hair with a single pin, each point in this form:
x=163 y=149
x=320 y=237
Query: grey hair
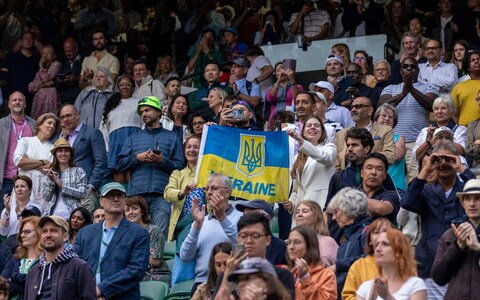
x=445 y=145
x=107 y=73
x=444 y=99
x=418 y=39
x=226 y=181
x=389 y=67
x=352 y=202
x=384 y=107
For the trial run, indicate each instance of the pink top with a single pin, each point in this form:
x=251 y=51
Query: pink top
x=272 y=99
x=328 y=249
x=17 y=131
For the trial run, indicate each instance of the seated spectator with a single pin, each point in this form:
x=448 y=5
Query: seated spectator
x=91 y=101
x=242 y=88
x=310 y=24
x=120 y=120
x=98 y=215
x=181 y=190
x=176 y=119
x=356 y=88
x=46 y=98
x=26 y=255
x=216 y=267
x=443 y=112
x=165 y=69
x=197 y=120
x=396 y=22
x=314 y=163
x=79 y=218
x=457 y=253
x=362 y=18
x=459 y=50
x=33 y=155
x=336 y=75
x=473 y=142
x=116 y=250
x=410 y=47
x=362 y=111
x=396 y=266
x=145 y=84
x=365 y=268
x=172 y=89
x=350 y=210
x=319 y=112
x=335 y=114
x=67 y=82
x=66 y=185
x=361 y=58
x=205 y=52
x=240 y=115
x=15 y=205
x=313 y=279
x=234 y=49
x=272 y=31
x=387 y=115
x=255 y=278
x=435 y=71
x=342 y=51
x=136 y=211
x=381 y=72
x=216 y=98
x=437 y=210
x=221 y=220
x=260 y=70
x=309 y=214
x=282 y=94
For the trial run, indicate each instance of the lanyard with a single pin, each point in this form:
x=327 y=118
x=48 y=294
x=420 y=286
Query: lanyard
x=19 y=136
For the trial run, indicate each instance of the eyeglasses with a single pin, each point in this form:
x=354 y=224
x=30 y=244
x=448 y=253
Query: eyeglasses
x=406 y=66
x=214 y=188
x=26 y=232
x=255 y=236
x=114 y=196
x=358 y=106
x=199 y=123
x=67 y=116
x=293 y=242
x=432 y=48
x=360 y=58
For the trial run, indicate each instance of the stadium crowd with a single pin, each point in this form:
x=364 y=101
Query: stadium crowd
x=104 y=105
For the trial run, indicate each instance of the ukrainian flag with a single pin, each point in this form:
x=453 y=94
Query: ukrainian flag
x=257 y=162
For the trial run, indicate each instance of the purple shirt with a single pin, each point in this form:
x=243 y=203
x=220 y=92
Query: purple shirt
x=17 y=131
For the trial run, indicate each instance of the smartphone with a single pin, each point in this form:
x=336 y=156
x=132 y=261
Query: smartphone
x=236 y=114
x=457 y=222
x=290 y=64
x=157 y=151
x=236 y=248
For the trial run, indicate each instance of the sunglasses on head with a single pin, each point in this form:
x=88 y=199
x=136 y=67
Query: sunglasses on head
x=412 y=66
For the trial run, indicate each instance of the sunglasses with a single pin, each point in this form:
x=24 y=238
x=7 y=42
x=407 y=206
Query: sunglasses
x=406 y=66
x=358 y=106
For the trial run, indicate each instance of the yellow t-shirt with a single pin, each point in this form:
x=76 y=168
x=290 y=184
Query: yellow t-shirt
x=464 y=96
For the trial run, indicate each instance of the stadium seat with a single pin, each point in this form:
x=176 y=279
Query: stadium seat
x=181 y=290
x=153 y=290
x=169 y=250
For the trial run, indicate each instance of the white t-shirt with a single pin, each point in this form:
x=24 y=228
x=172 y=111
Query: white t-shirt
x=411 y=286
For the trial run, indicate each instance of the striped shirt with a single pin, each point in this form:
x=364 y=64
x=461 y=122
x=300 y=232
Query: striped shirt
x=313 y=22
x=412 y=117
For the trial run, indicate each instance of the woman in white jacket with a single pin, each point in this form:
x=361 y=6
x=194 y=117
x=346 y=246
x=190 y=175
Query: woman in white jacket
x=314 y=164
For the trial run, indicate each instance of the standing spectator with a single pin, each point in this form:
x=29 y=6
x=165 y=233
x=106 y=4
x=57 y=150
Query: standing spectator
x=32 y=155
x=381 y=74
x=100 y=57
x=197 y=120
x=67 y=184
x=165 y=69
x=396 y=265
x=465 y=93
x=363 y=17
x=314 y=163
x=116 y=250
x=46 y=97
x=13 y=127
x=22 y=67
x=199 y=241
x=205 y=53
x=442 y=30
x=92 y=17
x=459 y=51
x=79 y=218
x=313 y=279
x=281 y=95
x=396 y=21
x=435 y=71
x=413 y=100
x=172 y=88
x=333 y=112
x=243 y=89
x=356 y=89
x=69 y=75
x=335 y=67
x=89 y=151
x=136 y=211
x=310 y=24
x=410 y=46
x=69 y=276
x=272 y=31
x=176 y=118
x=248 y=20
x=216 y=98
x=26 y=256
x=234 y=49
x=260 y=70
x=473 y=142
x=153 y=152
x=98 y=215
x=457 y=253
x=120 y=120
x=436 y=208
x=90 y=103
x=343 y=51
x=361 y=58
x=145 y=85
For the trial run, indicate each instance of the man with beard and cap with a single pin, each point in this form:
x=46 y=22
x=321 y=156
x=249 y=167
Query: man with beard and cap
x=437 y=204
x=413 y=101
x=151 y=155
x=100 y=57
x=60 y=273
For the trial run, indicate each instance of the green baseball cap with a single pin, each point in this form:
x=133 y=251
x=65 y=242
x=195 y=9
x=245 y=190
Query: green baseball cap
x=150 y=101
x=112 y=186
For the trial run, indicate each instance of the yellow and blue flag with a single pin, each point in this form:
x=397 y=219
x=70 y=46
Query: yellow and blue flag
x=256 y=161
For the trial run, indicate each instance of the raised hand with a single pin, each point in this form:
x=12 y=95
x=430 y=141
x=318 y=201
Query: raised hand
x=198 y=214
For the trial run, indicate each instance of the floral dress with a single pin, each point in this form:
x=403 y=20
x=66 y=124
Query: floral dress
x=46 y=99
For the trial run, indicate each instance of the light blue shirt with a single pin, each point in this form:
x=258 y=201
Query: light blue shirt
x=107 y=235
